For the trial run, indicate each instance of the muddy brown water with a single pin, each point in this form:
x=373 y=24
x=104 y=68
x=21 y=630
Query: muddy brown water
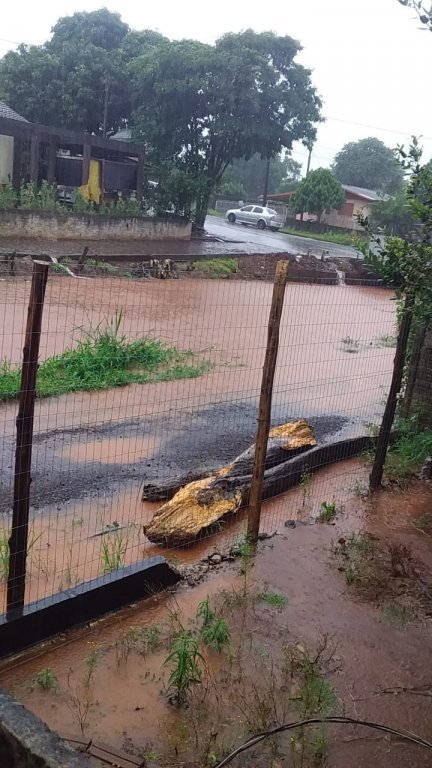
x=376 y=670
x=101 y=444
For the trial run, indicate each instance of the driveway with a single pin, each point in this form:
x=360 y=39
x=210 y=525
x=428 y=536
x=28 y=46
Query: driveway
x=255 y=240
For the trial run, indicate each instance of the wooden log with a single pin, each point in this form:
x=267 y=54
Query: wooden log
x=287 y=439
x=197 y=507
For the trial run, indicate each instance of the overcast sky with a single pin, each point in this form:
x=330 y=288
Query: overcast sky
x=371 y=63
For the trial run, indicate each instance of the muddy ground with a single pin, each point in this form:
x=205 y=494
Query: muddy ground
x=92 y=450
x=376 y=659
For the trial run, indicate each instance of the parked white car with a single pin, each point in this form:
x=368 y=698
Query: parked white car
x=257 y=215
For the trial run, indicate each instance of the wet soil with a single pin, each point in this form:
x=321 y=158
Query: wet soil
x=380 y=672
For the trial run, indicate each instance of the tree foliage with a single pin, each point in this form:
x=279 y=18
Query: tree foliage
x=200 y=107
x=318 y=192
x=245 y=178
x=394 y=215
x=368 y=163
x=424 y=14
x=80 y=71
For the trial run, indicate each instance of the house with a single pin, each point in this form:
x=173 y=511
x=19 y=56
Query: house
x=70 y=159
x=7 y=144
x=357 y=200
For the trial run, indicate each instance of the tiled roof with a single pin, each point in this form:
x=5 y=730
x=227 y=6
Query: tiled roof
x=368 y=194
x=6 y=111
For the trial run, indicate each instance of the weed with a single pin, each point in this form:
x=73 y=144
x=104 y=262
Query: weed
x=46 y=680
x=273 y=599
x=396 y=615
x=184 y=658
x=217 y=267
x=214 y=631
x=385 y=341
x=401 y=560
x=319 y=746
x=328 y=512
x=314 y=694
x=350 y=345
x=142 y=640
x=8 y=196
x=360 y=490
x=4 y=556
x=101 y=267
x=408 y=452
x=423 y=523
x=104 y=359
x=113 y=552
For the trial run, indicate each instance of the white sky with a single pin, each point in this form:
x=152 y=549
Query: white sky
x=371 y=63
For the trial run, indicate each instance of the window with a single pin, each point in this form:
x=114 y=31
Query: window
x=258 y=210
x=247 y=208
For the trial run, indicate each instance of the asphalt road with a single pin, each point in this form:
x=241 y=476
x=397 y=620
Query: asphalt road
x=274 y=242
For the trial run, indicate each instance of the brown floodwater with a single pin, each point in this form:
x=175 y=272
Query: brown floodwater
x=376 y=670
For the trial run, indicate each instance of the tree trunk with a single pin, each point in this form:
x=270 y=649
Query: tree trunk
x=390 y=409
x=202 y=205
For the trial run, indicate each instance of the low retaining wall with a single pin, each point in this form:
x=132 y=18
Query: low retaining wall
x=26 y=742
x=48 y=225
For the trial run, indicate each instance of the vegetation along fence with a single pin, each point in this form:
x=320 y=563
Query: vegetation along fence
x=145 y=385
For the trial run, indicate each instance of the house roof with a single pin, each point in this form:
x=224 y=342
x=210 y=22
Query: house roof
x=6 y=111
x=365 y=194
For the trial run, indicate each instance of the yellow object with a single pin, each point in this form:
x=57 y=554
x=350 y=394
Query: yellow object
x=92 y=190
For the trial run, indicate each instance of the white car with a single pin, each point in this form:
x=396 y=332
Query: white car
x=257 y=215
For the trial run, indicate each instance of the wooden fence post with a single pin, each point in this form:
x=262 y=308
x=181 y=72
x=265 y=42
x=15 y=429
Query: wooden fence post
x=264 y=413
x=19 y=534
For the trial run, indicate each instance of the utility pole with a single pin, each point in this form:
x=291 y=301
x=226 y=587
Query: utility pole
x=309 y=161
x=266 y=181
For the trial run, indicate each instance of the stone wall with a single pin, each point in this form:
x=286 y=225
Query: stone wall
x=26 y=742
x=48 y=225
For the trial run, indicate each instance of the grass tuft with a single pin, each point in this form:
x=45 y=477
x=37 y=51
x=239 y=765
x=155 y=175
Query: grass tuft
x=217 y=267
x=273 y=599
x=104 y=359
x=408 y=452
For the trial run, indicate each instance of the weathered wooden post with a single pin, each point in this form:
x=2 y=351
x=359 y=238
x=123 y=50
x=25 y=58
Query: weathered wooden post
x=19 y=534
x=265 y=403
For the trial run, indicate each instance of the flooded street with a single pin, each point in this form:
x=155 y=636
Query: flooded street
x=93 y=450
x=375 y=668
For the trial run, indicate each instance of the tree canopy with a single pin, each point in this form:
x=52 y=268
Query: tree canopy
x=424 y=14
x=78 y=75
x=368 y=163
x=320 y=191
x=201 y=107
x=245 y=178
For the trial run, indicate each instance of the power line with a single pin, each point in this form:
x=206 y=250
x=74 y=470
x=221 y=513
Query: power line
x=373 y=127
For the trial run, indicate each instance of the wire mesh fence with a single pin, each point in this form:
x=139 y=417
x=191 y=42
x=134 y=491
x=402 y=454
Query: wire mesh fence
x=143 y=380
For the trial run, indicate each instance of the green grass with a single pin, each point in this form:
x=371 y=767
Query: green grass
x=212 y=212
x=273 y=599
x=113 y=552
x=329 y=237
x=104 y=359
x=397 y=616
x=217 y=267
x=408 y=452
x=327 y=511
x=46 y=680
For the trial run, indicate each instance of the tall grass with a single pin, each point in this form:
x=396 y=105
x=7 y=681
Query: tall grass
x=409 y=451
x=103 y=359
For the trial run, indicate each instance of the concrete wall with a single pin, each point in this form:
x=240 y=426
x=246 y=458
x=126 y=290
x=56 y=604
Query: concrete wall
x=6 y=159
x=48 y=225
x=25 y=742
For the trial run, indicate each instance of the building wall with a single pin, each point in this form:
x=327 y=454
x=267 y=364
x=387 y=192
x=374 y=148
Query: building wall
x=6 y=159
x=47 y=225
x=346 y=217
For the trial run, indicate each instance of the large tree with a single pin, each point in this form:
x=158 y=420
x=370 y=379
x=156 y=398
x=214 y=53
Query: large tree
x=368 y=163
x=200 y=107
x=79 y=78
x=247 y=177
x=320 y=191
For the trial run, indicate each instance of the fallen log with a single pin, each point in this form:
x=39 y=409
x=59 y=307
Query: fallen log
x=199 y=506
x=294 y=437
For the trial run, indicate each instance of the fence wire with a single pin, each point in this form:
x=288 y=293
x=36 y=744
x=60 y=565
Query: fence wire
x=144 y=379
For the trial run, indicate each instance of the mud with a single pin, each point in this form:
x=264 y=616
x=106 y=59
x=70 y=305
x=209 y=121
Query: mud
x=379 y=672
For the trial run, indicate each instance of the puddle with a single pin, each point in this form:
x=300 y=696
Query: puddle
x=117 y=450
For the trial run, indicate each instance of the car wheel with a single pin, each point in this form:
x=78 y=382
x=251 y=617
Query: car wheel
x=261 y=224
x=231 y=218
